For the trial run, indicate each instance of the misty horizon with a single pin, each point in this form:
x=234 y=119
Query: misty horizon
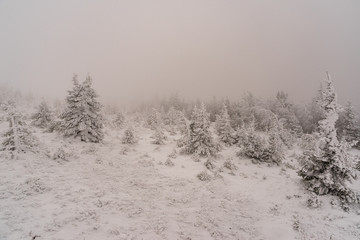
x=143 y=49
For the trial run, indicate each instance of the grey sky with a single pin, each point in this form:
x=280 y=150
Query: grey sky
x=199 y=48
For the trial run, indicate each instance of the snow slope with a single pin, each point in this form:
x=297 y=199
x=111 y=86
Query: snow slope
x=100 y=193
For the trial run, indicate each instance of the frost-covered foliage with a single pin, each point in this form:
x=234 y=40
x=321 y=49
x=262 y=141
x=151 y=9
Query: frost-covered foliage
x=251 y=144
x=287 y=137
x=61 y=155
x=258 y=147
x=223 y=127
x=43 y=117
x=169 y=163
x=159 y=136
x=82 y=117
x=348 y=129
x=209 y=164
x=285 y=112
x=171 y=117
x=182 y=123
x=200 y=140
x=129 y=136
x=313 y=201
x=310 y=115
x=229 y=164
x=308 y=142
x=275 y=148
x=119 y=120
x=18 y=139
x=204 y=176
x=154 y=119
x=54 y=125
x=328 y=168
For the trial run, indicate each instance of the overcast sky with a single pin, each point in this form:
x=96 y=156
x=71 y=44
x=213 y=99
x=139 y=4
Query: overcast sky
x=198 y=48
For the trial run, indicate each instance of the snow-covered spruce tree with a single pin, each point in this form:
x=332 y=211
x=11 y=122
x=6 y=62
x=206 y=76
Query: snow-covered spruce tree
x=171 y=117
x=18 y=139
x=251 y=144
x=82 y=117
x=223 y=127
x=159 y=136
x=347 y=126
x=200 y=141
x=129 y=136
x=184 y=128
x=285 y=112
x=328 y=168
x=119 y=120
x=154 y=119
x=43 y=117
x=275 y=149
x=182 y=123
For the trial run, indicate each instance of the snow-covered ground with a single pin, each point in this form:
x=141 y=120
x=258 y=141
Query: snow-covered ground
x=102 y=193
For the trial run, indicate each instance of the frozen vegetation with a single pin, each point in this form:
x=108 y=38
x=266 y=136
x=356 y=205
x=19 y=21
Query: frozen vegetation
x=179 y=170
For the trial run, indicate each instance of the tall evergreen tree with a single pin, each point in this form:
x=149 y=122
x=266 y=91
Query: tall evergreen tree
x=82 y=117
x=347 y=125
x=119 y=120
x=43 y=116
x=200 y=139
x=285 y=112
x=328 y=169
x=154 y=119
x=223 y=126
x=18 y=139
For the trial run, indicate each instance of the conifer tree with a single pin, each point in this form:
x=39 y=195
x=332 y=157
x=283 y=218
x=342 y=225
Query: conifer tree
x=82 y=117
x=154 y=119
x=348 y=129
x=43 y=116
x=171 y=117
x=200 y=139
x=159 y=136
x=119 y=120
x=275 y=149
x=223 y=127
x=18 y=139
x=129 y=136
x=182 y=123
x=328 y=168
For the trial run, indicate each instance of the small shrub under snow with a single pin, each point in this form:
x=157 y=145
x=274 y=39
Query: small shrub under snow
x=204 y=176
x=313 y=201
x=209 y=164
x=169 y=163
x=61 y=154
x=230 y=165
x=173 y=154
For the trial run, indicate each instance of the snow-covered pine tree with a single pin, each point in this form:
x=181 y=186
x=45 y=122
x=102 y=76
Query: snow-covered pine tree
x=18 y=139
x=129 y=136
x=82 y=117
x=154 y=119
x=251 y=144
x=275 y=149
x=347 y=126
x=43 y=117
x=182 y=123
x=328 y=168
x=119 y=120
x=285 y=112
x=223 y=127
x=159 y=136
x=200 y=141
x=171 y=117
